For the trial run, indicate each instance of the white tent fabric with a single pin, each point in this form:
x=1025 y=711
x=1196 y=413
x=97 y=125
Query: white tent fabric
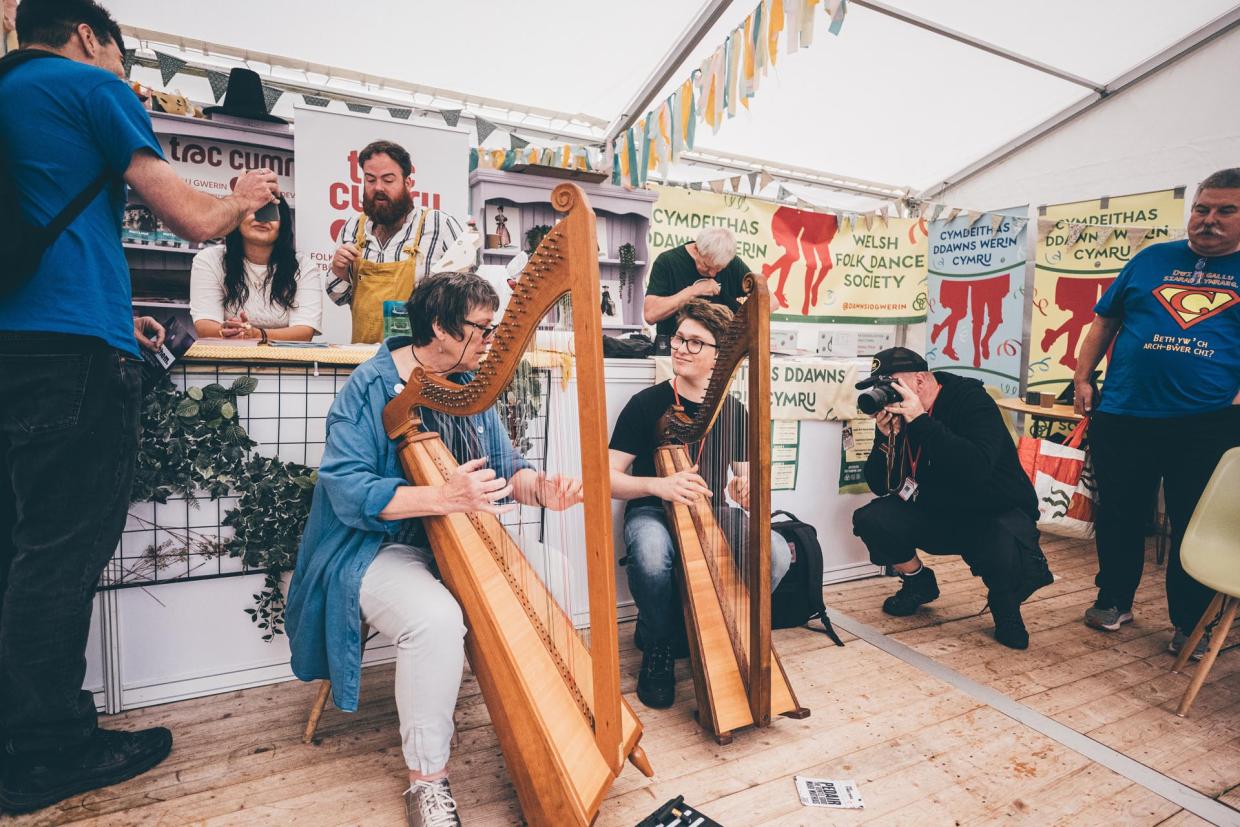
x=884 y=101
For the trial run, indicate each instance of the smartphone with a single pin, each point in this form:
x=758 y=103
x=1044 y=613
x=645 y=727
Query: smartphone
x=268 y=212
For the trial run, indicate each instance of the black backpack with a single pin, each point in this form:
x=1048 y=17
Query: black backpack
x=22 y=243
x=797 y=599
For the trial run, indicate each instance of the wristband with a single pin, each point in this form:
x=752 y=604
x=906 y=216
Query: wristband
x=262 y=336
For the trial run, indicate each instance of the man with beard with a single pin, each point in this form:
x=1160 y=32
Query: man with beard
x=383 y=250
x=1170 y=407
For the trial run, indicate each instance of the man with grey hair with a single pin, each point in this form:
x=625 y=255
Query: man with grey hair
x=707 y=268
x=1169 y=409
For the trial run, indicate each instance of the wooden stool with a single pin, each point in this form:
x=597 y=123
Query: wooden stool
x=325 y=691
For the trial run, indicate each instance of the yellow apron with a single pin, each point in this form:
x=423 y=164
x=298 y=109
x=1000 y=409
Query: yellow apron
x=373 y=284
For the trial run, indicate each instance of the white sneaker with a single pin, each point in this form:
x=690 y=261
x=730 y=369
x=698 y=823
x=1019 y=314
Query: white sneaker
x=430 y=804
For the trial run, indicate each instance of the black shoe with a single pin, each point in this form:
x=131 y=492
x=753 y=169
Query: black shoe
x=915 y=590
x=1009 y=625
x=656 y=683
x=108 y=758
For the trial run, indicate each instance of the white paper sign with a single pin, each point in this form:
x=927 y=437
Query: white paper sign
x=329 y=181
x=823 y=792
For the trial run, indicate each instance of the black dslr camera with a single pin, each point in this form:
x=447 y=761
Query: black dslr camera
x=878 y=396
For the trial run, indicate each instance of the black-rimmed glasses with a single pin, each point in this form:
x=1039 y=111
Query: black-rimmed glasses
x=487 y=331
x=694 y=346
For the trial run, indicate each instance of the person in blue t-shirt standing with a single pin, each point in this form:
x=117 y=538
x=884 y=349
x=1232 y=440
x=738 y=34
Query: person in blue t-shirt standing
x=1170 y=407
x=70 y=388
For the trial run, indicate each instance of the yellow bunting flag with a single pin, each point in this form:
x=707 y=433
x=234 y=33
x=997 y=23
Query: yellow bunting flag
x=775 y=25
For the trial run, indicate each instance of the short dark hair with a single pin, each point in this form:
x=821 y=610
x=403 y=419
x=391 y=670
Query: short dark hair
x=714 y=317
x=1224 y=179
x=53 y=22
x=447 y=298
x=393 y=150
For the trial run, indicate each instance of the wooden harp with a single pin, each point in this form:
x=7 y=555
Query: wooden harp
x=724 y=572
x=554 y=698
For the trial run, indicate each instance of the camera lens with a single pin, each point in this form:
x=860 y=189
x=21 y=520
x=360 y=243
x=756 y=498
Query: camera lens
x=873 y=399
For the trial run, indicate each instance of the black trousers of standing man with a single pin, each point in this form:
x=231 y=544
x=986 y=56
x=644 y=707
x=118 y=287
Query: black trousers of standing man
x=1130 y=455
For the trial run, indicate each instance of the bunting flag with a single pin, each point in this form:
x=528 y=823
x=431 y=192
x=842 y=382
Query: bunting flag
x=900 y=208
x=168 y=66
x=807 y=23
x=938 y=210
x=736 y=183
x=1074 y=234
x=482 y=126
x=399 y=112
x=973 y=215
x=782 y=193
x=315 y=100
x=775 y=25
x=1136 y=237
x=630 y=158
x=452 y=117
x=362 y=108
x=845 y=224
x=219 y=84
x=765 y=178
x=753 y=183
x=1104 y=235
x=1045 y=225
x=955 y=211
x=869 y=221
x=716 y=186
x=792 y=19
x=882 y=214
x=131 y=56
x=696 y=186
x=516 y=141
x=272 y=94
x=733 y=47
x=837 y=14
x=995 y=220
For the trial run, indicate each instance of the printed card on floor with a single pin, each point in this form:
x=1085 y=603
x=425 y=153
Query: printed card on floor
x=822 y=792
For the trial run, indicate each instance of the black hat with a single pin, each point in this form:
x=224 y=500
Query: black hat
x=244 y=98
x=893 y=360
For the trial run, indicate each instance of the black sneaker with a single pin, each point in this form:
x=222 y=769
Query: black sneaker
x=108 y=758
x=656 y=683
x=1009 y=625
x=915 y=590
x=680 y=644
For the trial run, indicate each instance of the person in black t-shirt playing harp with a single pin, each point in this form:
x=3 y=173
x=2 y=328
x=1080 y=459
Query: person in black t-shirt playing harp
x=649 y=548
x=707 y=268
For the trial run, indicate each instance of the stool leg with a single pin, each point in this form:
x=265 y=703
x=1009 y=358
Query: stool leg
x=1216 y=644
x=325 y=691
x=1195 y=637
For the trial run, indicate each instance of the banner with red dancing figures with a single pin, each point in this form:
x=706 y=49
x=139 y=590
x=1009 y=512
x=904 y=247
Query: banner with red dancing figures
x=977 y=296
x=1081 y=249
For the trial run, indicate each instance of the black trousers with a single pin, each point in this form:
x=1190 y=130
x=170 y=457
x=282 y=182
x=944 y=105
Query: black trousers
x=1130 y=455
x=1002 y=549
x=69 y=418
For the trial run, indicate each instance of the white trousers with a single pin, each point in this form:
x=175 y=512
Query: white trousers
x=402 y=598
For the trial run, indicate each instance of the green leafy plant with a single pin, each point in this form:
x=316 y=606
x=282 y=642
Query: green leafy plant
x=534 y=236
x=628 y=268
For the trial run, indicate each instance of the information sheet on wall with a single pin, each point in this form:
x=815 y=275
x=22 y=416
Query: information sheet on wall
x=855 y=446
x=785 y=453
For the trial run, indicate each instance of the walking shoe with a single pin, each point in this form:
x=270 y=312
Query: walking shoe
x=1107 y=618
x=1009 y=625
x=656 y=683
x=109 y=757
x=915 y=590
x=680 y=644
x=1179 y=639
x=430 y=804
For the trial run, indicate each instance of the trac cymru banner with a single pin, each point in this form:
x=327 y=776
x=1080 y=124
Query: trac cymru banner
x=816 y=273
x=977 y=297
x=1081 y=249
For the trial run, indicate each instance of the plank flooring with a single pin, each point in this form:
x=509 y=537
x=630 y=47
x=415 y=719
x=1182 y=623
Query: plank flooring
x=921 y=751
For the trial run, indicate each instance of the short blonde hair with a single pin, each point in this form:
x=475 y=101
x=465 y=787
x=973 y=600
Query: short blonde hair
x=716 y=245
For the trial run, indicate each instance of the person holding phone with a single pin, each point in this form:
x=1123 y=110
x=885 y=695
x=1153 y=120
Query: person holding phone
x=253 y=286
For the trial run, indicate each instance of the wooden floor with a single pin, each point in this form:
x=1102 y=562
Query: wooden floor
x=921 y=751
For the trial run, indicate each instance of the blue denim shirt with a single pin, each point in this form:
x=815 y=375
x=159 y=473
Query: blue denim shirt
x=358 y=476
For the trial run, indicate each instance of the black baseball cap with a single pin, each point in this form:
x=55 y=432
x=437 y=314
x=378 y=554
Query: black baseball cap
x=893 y=360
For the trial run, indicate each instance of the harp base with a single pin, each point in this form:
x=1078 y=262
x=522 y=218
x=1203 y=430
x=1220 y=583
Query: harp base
x=797 y=714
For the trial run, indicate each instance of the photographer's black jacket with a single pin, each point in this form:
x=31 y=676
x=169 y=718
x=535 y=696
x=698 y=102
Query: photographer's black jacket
x=968 y=461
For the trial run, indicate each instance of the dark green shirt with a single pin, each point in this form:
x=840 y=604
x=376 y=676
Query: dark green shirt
x=674 y=270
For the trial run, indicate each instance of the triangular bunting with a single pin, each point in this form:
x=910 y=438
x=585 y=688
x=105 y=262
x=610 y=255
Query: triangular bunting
x=168 y=66
x=1074 y=235
x=452 y=117
x=736 y=183
x=1045 y=225
x=696 y=186
x=951 y=215
x=270 y=96
x=483 y=127
x=995 y=221
x=131 y=55
x=400 y=112
x=716 y=186
x=516 y=141
x=900 y=208
x=845 y=224
x=868 y=218
x=361 y=108
x=315 y=100
x=782 y=193
x=219 y=84
x=1136 y=237
x=938 y=210
x=1104 y=235
x=837 y=14
x=764 y=178
x=753 y=183
x=974 y=215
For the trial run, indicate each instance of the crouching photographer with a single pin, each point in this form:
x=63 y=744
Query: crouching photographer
x=948 y=481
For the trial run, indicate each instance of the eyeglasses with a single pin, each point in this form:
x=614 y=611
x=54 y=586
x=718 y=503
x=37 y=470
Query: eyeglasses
x=694 y=346
x=487 y=331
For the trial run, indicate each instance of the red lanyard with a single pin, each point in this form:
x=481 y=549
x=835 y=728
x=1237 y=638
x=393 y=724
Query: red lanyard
x=913 y=459
x=702 y=441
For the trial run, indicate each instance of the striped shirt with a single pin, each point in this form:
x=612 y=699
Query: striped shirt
x=440 y=231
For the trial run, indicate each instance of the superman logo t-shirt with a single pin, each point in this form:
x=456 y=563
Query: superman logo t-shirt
x=1177 y=352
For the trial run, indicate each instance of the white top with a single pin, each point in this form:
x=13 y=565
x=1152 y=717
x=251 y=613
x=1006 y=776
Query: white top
x=206 y=294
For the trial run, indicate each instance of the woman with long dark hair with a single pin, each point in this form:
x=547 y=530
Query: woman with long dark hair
x=254 y=287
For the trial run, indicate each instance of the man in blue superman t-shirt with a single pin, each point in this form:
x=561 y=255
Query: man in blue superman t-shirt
x=1171 y=404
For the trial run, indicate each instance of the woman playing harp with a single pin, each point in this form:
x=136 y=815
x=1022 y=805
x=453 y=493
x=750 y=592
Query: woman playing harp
x=365 y=556
x=650 y=548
